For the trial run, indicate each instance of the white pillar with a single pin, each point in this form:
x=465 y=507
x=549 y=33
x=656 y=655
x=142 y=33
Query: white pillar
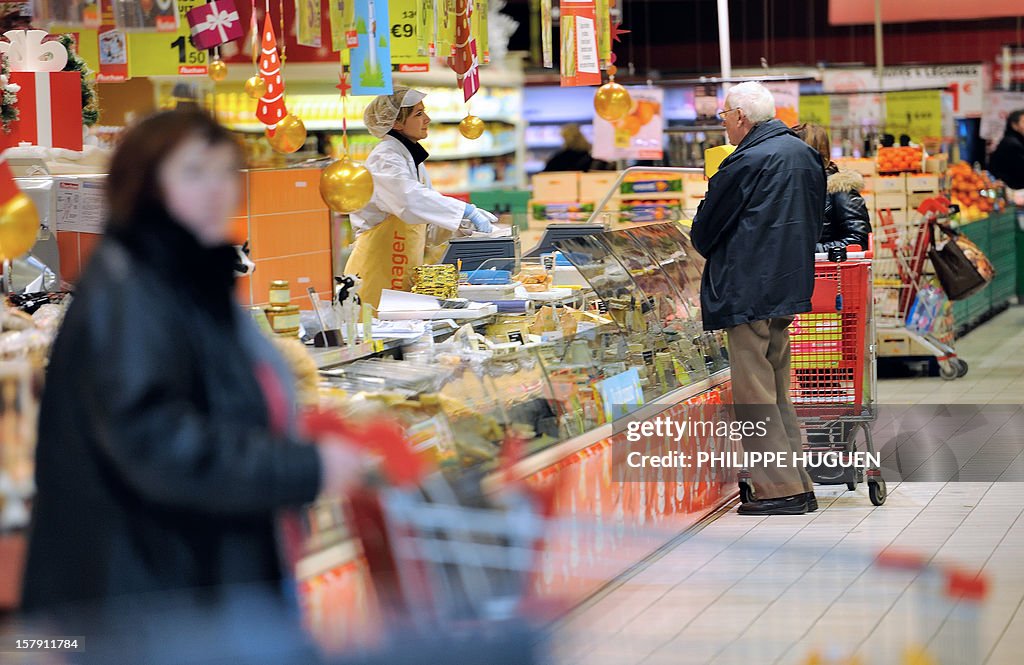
x=724 y=46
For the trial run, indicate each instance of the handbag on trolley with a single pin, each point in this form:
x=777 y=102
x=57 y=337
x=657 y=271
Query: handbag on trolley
x=961 y=267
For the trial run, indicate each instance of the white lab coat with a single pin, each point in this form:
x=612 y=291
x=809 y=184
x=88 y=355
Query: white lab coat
x=402 y=190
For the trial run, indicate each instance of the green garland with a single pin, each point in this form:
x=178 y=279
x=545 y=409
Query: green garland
x=8 y=98
x=90 y=100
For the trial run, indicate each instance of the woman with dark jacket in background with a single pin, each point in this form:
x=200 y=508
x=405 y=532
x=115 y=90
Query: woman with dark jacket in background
x=167 y=442
x=846 y=214
x=1007 y=161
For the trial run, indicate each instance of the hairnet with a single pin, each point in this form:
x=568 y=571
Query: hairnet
x=379 y=117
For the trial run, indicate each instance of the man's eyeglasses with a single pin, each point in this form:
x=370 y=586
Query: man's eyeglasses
x=721 y=114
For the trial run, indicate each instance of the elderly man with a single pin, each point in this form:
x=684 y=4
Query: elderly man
x=757 y=227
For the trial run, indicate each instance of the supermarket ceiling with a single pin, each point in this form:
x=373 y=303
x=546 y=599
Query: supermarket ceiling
x=681 y=36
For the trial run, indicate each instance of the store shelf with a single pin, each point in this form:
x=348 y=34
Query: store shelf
x=454 y=156
x=355 y=125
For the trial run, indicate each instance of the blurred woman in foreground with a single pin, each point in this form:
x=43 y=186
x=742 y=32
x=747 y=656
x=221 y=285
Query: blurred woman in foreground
x=167 y=439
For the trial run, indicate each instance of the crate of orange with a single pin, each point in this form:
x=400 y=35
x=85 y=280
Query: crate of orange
x=971 y=190
x=902 y=159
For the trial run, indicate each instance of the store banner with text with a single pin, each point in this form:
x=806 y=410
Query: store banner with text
x=640 y=135
x=917 y=113
x=816 y=109
x=342 y=15
x=787 y=101
x=604 y=32
x=968 y=83
x=165 y=54
x=579 y=62
x=481 y=25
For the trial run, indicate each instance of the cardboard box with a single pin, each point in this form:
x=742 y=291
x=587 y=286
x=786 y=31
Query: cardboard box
x=695 y=187
x=556 y=187
x=869 y=183
x=861 y=165
x=936 y=164
x=926 y=183
x=545 y=211
x=594 y=186
x=891 y=184
x=890 y=201
x=893 y=345
x=44 y=116
x=869 y=200
x=915 y=200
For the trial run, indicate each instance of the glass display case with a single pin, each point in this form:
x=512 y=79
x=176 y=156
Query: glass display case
x=560 y=371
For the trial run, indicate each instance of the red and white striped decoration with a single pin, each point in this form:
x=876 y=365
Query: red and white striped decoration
x=271 y=108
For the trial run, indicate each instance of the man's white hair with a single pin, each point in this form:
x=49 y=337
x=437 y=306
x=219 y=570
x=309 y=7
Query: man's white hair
x=754 y=99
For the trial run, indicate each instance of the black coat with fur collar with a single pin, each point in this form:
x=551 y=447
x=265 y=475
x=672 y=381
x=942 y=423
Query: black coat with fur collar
x=846 y=214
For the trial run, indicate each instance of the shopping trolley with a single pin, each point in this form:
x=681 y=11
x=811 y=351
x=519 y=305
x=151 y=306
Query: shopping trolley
x=833 y=379
x=777 y=600
x=902 y=273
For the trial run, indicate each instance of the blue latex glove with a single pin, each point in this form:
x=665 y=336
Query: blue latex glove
x=481 y=220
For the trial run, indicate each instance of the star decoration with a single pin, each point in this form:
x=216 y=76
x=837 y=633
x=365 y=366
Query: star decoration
x=343 y=85
x=617 y=31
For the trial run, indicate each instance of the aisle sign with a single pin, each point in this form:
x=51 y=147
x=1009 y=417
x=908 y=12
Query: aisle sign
x=816 y=109
x=579 y=62
x=917 y=113
x=163 y=54
x=968 y=83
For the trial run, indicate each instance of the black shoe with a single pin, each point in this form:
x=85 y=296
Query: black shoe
x=788 y=505
x=812 y=502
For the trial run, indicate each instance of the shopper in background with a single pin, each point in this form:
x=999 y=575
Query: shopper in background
x=575 y=152
x=846 y=220
x=393 y=228
x=166 y=434
x=757 y=227
x=1007 y=160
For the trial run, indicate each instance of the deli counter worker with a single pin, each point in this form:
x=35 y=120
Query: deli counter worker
x=392 y=229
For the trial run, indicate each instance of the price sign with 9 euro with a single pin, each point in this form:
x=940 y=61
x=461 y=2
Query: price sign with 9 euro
x=167 y=54
x=405 y=55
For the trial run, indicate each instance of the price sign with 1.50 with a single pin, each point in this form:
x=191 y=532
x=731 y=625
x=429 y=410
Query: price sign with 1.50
x=163 y=54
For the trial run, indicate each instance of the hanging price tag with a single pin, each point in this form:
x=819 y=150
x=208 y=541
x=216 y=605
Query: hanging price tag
x=405 y=55
x=166 y=54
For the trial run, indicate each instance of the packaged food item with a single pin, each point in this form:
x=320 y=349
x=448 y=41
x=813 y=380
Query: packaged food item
x=534 y=278
x=652 y=185
x=280 y=292
x=284 y=319
x=440 y=281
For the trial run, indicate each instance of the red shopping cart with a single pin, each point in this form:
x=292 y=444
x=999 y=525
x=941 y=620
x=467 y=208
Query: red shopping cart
x=833 y=375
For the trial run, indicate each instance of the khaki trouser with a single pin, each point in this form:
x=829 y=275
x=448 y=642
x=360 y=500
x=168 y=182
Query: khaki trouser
x=759 y=360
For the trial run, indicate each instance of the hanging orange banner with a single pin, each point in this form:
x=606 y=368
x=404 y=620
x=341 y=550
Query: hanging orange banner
x=854 y=12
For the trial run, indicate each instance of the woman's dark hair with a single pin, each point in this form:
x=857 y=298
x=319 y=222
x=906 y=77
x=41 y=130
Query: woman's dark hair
x=1012 y=119
x=133 y=187
x=816 y=136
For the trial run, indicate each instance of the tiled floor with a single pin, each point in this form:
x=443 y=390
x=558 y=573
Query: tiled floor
x=790 y=589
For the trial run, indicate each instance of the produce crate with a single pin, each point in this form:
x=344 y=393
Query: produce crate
x=556 y=187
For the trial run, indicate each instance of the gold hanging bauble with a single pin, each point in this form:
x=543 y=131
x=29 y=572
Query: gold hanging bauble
x=288 y=136
x=19 y=225
x=346 y=186
x=218 y=70
x=612 y=102
x=255 y=87
x=471 y=127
